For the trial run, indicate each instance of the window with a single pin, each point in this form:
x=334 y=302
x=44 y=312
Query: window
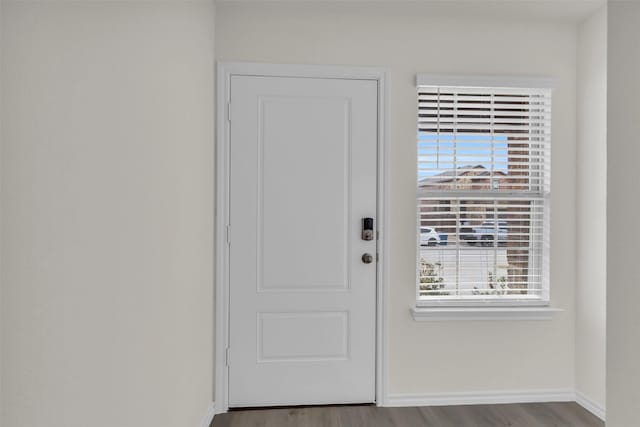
x=483 y=191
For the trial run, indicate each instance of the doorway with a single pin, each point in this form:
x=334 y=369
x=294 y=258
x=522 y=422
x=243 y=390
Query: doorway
x=302 y=274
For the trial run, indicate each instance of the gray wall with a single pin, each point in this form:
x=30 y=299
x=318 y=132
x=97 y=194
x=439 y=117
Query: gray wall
x=623 y=205
x=440 y=357
x=591 y=235
x=107 y=213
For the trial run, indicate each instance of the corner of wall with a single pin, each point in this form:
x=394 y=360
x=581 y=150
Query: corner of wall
x=591 y=177
x=208 y=417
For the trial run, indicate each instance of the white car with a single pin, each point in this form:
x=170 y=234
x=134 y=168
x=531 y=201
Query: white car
x=429 y=236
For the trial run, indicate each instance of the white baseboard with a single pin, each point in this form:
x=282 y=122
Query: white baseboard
x=211 y=412
x=591 y=406
x=481 y=398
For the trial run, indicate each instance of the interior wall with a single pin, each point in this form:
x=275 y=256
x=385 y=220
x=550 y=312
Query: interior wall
x=1 y=333
x=592 y=209
x=107 y=213
x=623 y=203
x=458 y=356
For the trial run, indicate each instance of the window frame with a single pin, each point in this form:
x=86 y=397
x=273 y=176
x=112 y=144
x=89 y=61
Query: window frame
x=452 y=307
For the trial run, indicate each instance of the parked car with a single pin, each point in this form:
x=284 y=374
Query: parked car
x=429 y=236
x=466 y=231
x=487 y=232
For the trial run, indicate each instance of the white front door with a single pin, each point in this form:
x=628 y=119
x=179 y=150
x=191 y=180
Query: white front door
x=303 y=173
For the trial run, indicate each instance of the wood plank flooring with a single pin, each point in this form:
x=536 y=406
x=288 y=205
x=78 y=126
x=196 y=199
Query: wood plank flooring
x=566 y=414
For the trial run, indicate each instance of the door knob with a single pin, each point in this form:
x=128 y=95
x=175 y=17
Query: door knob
x=367 y=258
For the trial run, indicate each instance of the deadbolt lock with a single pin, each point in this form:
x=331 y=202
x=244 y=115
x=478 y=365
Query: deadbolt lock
x=367 y=229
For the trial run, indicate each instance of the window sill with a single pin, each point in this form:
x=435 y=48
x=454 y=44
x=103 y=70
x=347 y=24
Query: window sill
x=483 y=313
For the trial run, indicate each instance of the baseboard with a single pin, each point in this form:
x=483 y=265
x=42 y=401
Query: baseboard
x=208 y=418
x=481 y=398
x=591 y=406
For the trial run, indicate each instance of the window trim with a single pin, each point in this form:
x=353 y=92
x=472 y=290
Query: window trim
x=484 y=313
x=486 y=81
x=496 y=307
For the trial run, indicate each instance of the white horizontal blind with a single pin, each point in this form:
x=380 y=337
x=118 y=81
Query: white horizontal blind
x=483 y=187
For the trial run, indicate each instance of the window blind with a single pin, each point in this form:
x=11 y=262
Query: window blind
x=483 y=189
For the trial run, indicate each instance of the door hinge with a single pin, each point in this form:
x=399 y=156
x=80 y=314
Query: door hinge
x=228 y=234
x=226 y=357
x=229 y=111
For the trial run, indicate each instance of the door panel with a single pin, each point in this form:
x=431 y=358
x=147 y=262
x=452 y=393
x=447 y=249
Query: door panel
x=320 y=336
x=321 y=226
x=302 y=302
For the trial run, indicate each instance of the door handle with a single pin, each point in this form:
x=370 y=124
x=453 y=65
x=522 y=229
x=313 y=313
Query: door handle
x=367 y=258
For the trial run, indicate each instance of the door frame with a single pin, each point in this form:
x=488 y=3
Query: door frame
x=225 y=70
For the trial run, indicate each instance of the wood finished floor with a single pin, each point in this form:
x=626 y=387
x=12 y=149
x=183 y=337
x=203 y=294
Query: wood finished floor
x=514 y=415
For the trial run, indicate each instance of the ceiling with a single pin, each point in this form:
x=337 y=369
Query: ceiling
x=556 y=10
x=548 y=10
